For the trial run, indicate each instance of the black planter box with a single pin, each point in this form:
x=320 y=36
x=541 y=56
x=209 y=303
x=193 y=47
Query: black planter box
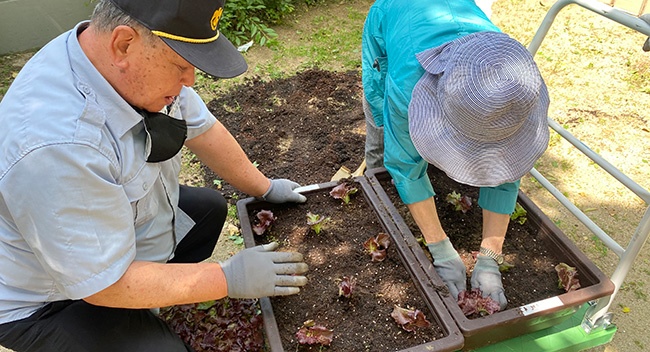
x=518 y=321
x=431 y=304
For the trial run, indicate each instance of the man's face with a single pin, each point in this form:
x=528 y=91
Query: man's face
x=157 y=74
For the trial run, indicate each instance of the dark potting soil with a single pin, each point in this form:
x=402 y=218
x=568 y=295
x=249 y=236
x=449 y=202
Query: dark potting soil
x=363 y=321
x=304 y=128
x=533 y=276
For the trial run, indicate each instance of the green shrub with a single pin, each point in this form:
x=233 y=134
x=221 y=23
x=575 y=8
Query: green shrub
x=246 y=20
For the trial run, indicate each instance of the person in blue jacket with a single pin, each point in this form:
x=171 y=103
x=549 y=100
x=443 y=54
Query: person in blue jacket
x=96 y=232
x=443 y=85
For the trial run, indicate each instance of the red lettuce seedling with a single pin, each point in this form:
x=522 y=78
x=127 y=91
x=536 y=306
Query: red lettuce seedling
x=472 y=302
x=460 y=203
x=316 y=221
x=377 y=246
x=567 y=277
x=409 y=319
x=346 y=286
x=223 y=325
x=312 y=334
x=343 y=191
x=264 y=220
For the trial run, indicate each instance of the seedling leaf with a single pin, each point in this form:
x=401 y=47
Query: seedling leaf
x=472 y=302
x=409 y=319
x=343 y=191
x=347 y=286
x=519 y=215
x=312 y=334
x=460 y=203
x=567 y=277
x=376 y=246
x=316 y=221
x=265 y=219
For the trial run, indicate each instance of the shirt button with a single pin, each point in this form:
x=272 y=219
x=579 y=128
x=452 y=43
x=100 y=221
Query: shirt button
x=145 y=186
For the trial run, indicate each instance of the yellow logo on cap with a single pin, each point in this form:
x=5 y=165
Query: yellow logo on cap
x=215 y=18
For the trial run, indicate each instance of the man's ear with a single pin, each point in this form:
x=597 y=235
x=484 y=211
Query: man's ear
x=122 y=40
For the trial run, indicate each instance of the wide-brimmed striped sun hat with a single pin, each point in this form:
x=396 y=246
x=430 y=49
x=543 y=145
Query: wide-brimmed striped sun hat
x=479 y=112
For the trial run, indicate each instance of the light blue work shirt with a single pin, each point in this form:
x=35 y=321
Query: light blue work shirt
x=393 y=33
x=78 y=201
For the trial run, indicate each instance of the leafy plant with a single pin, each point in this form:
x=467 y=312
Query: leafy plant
x=376 y=246
x=472 y=302
x=312 y=334
x=460 y=202
x=218 y=326
x=567 y=277
x=344 y=190
x=347 y=286
x=409 y=319
x=265 y=219
x=519 y=215
x=236 y=239
x=316 y=221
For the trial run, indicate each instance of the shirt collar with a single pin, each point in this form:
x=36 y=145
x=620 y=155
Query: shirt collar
x=120 y=116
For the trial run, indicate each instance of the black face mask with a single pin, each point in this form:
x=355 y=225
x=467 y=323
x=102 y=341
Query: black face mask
x=166 y=133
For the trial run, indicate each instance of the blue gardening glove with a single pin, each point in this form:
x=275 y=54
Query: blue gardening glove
x=449 y=266
x=487 y=278
x=281 y=191
x=260 y=271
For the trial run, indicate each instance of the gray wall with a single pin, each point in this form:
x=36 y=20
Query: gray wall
x=29 y=24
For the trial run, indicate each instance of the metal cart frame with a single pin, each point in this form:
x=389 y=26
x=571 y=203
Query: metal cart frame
x=592 y=325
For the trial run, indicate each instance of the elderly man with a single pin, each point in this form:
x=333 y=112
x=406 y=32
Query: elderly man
x=95 y=230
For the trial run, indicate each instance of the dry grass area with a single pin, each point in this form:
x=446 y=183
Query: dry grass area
x=597 y=76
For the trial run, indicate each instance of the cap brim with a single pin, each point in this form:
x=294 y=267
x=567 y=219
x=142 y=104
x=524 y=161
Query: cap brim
x=218 y=58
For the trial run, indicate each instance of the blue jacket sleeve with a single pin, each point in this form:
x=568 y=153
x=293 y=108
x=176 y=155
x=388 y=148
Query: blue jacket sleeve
x=374 y=64
x=500 y=199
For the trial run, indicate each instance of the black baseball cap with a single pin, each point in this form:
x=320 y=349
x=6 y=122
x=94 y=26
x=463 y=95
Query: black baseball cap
x=191 y=28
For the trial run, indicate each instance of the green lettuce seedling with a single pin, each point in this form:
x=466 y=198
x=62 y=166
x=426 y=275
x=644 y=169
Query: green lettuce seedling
x=316 y=221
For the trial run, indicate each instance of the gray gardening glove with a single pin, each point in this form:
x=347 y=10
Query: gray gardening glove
x=281 y=191
x=487 y=278
x=449 y=266
x=260 y=272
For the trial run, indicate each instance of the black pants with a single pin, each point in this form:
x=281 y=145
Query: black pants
x=76 y=326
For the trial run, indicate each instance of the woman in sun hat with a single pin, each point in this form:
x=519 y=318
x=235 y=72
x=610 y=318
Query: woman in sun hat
x=444 y=86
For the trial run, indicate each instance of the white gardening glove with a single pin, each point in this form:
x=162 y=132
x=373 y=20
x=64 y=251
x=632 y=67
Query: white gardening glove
x=281 y=191
x=487 y=278
x=260 y=272
x=449 y=266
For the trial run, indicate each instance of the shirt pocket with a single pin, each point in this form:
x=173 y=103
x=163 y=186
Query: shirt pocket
x=377 y=89
x=140 y=192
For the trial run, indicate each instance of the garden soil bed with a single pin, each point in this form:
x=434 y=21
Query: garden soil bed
x=305 y=127
x=362 y=322
x=534 y=265
x=534 y=247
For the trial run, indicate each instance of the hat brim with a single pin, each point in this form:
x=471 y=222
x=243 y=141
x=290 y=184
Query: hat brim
x=219 y=58
x=465 y=160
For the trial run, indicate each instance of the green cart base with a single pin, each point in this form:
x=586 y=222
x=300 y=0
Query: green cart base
x=568 y=336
